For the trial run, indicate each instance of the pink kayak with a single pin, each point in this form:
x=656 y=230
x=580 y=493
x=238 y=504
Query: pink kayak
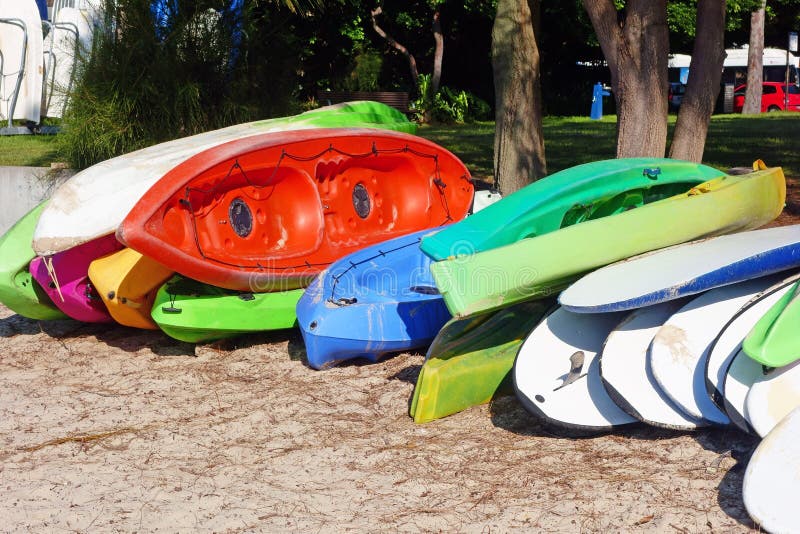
x=64 y=276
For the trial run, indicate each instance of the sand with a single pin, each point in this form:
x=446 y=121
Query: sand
x=105 y=429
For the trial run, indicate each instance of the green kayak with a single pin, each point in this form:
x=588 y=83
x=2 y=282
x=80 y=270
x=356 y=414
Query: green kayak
x=18 y=290
x=356 y=114
x=540 y=266
x=194 y=312
x=562 y=199
x=774 y=341
x=470 y=361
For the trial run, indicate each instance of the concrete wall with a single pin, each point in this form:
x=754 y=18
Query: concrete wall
x=22 y=188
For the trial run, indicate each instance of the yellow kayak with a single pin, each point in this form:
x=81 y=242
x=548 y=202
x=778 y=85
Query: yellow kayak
x=128 y=282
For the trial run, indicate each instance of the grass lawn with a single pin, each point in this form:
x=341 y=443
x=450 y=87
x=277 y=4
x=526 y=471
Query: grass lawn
x=733 y=141
x=28 y=150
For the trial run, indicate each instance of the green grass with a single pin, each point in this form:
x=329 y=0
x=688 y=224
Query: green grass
x=733 y=141
x=28 y=150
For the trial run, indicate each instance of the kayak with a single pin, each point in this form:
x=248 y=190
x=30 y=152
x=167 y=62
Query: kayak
x=94 y=202
x=65 y=280
x=270 y=212
x=194 y=312
x=565 y=198
x=127 y=282
x=386 y=289
x=470 y=361
x=774 y=341
x=542 y=265
x=18 y=290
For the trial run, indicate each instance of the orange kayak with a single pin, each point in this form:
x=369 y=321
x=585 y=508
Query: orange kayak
x=269 y=212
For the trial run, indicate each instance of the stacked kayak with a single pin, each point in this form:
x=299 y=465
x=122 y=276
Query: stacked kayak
x=18 y=290
x=127 y=282
x=194 y=312
x=94 y=202
x=387 y=289
x=270 y=212
x=545 y=264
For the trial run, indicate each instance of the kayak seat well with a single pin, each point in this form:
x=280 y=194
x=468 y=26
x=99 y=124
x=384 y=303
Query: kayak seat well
x=622 y=202
x=362 y=197
x=262 y=211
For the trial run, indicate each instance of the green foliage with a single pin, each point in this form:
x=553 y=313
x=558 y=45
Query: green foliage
x=447 y=105
x=366 y=72
x=146 y=83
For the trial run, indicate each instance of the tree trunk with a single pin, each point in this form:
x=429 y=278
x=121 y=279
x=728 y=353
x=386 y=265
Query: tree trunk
x=705 y=73
x=518 y=143
x=436 y=76
x=412 y=63
x=755 y=61
x=635 y=44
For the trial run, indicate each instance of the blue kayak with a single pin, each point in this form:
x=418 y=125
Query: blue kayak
x=374 y=302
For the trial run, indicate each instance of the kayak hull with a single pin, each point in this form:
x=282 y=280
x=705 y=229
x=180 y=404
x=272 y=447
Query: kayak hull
x=127 y=282
x=194 y=312
x=387 y=289
x=18 y=290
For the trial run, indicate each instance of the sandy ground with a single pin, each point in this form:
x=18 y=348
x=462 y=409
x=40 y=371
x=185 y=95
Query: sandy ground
x=104 y=428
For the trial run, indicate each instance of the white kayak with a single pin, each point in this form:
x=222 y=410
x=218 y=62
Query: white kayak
x=772 y=397
x=29 y=99
x=680 y=348
x=557 y=376
x=627 y=377
x=72 y=30
x=685 y=269
x=772 y=479
x=95 y=201
x=727 y=346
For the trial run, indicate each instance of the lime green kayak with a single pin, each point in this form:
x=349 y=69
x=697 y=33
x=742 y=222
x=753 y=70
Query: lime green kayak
x=18 y=290
x=543 y=265
x=194 y=312
x=774 y=341
x=563 y=199
x=358 y=113
x=470 y=361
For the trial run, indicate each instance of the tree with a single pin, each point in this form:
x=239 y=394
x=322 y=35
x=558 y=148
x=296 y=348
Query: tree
x=635 y=43
x=518 y=143
x=755 y=60
x=705 y=72
x=436 y=28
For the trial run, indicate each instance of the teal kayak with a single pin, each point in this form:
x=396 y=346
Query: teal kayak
x=540 y=266
x=563 y=199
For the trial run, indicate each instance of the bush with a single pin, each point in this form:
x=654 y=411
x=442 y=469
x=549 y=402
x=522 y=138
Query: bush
x=447 y=105
x=192 y=70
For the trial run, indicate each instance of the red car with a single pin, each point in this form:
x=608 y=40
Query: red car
x=772 y=97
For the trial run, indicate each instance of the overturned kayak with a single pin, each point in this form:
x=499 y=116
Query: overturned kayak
x=94 y=202
x=470 y=361
x=539 y=266
x=774 y=341
x=371 y=303
x=194 y=312
x=127 y=282
x=18 y=290
x=577 y=194
x=270 y=212
x=64 y=276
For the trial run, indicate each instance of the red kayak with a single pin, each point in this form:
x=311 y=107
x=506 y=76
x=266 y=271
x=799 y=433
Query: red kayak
x=269 y=212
